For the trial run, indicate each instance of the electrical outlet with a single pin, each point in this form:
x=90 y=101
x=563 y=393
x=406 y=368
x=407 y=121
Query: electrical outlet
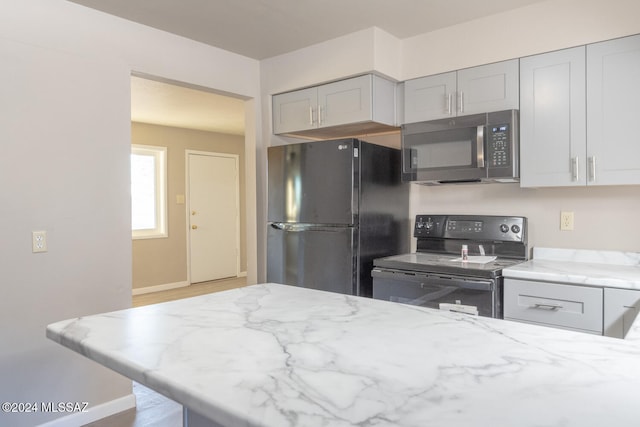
x=566 y=221
x=39 y=241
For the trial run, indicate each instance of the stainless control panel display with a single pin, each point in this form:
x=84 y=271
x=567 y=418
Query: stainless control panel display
x=498 y=146
x=483 y=227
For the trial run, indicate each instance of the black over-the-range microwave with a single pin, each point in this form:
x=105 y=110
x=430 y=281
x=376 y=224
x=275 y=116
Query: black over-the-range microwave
x=475 y=148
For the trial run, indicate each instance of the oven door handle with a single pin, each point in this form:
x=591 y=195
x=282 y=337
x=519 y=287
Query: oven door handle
x=426 y=279
x=461 y=282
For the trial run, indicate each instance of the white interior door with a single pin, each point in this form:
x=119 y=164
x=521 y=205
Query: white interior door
x=213 y=216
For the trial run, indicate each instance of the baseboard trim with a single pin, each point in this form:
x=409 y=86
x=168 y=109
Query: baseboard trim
x=158 y=288
x=94 y=413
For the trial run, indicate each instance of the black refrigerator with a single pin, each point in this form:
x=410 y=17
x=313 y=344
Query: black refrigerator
x=333 y=207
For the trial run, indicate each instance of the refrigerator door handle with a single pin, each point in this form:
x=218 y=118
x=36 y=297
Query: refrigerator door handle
x=295 y=227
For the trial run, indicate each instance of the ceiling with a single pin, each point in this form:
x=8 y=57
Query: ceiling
x=262 y=29
x=167 y=104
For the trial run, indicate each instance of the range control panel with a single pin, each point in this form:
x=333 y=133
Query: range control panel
x=481 y=227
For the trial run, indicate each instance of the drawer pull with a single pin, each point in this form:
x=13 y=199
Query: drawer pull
x=550 y=307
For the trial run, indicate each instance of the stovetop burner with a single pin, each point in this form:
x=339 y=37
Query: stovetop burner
x=493 y=242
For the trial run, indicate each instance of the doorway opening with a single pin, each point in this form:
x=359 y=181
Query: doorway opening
x=184 y=119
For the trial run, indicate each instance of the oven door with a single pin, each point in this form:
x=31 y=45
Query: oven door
x=430 y=290
x=449 y=150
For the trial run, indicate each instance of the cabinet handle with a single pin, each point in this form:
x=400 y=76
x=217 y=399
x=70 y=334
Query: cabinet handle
x=592 y=168
x=551 y=307
x=575 y=169
x=461 y=107
x=311 y=116
x=449 y=103
x=320 y=115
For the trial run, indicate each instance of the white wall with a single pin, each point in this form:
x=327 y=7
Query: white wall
x=538 y=28
x=541 y=27
x=64 y=168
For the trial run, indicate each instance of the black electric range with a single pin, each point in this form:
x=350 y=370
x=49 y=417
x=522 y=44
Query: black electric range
x=437 y=276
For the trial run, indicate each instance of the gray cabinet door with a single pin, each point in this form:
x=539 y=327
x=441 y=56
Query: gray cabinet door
x=295 y=111
x=313 y=183
x=613 y=91
x=621 y=307
x=321 y=258
x=492 y=87
x=346 y=101
x=429 y=98
x=553 y=136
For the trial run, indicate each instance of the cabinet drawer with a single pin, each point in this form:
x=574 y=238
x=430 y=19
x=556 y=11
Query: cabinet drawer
x=550 y=304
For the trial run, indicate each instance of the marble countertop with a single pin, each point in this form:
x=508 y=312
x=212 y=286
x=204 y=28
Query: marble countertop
x=277 y=355
x=581 y=267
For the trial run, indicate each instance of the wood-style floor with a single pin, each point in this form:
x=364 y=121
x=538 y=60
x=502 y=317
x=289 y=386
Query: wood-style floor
x=153 y=409
x=189 y=291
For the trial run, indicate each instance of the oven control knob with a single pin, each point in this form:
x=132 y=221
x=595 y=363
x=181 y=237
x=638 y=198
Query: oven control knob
x=504 y=228
x=428 y=225
x=515 y=229
x=420 y=224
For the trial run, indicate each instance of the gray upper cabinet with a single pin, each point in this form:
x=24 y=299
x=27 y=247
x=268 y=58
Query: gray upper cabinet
x=578 y=109
x=347 y=107
x=294 y=111
x=613 y=110
x=429 y=98
x=482 y=89
x=553 y=134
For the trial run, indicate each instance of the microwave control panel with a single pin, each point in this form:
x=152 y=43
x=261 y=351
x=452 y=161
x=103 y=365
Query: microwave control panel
x=498 y=146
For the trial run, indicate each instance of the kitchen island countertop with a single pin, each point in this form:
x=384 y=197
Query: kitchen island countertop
x=277 y=355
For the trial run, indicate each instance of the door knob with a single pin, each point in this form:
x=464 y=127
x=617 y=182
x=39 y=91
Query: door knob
x=193 y=212
x=194 y=227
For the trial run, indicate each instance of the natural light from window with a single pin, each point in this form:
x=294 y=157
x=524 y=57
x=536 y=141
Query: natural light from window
x=148 y=191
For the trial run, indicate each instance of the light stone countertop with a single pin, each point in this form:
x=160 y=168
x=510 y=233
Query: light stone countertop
x=581 y=267
x=277 y=355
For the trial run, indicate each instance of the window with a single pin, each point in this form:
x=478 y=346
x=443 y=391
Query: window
x=148 y=192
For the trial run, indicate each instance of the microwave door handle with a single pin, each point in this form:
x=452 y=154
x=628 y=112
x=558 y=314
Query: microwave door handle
x=480 y=146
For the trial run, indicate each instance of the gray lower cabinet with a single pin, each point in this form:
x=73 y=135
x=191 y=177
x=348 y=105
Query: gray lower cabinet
x=595 y=310
x=620 y=310
x=577 y=308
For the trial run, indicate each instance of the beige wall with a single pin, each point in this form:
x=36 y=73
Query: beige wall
x=164 y=261
x=605 y=217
